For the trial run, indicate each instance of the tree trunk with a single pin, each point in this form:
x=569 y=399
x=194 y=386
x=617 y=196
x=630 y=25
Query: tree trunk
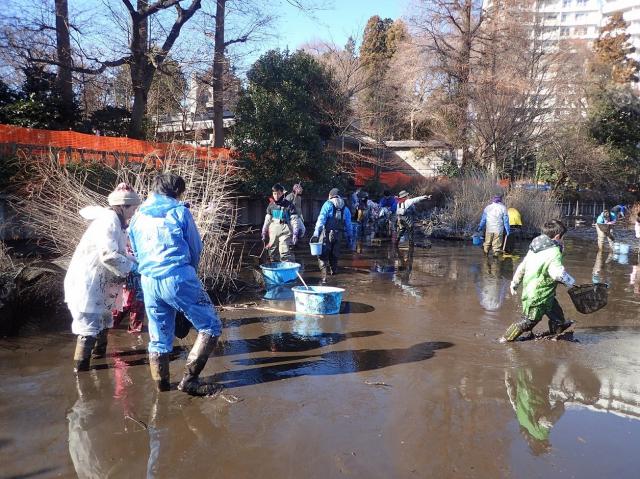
x=218 y=74
x=141 y=71
x=64 y=80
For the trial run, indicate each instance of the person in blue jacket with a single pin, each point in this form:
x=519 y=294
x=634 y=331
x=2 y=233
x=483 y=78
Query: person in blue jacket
x=165 y=240
x=333 y=223
x=604 y=228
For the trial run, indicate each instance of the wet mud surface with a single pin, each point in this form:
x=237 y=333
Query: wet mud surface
x=408 y=381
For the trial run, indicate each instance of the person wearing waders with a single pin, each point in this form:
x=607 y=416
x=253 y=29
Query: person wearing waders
x=280 y=226
x=96 y=274
x=166 y=242
x=295 y=197
x=333 y=223
x=540 y=272
x=604 y=227
x=495 y=222
x=406 y=213
x=388 y=208
x=515 y=226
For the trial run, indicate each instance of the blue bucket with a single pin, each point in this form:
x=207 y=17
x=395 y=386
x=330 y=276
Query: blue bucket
x=316 y=249
x=477 y=240
x=280 y=273
x=318 y=299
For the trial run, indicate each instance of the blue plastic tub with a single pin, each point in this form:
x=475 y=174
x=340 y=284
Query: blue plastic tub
x=318 y=299
x=477 y=240
x=279 y=273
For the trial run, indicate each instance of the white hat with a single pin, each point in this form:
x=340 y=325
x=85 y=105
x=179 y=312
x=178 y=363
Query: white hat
x=123 y=195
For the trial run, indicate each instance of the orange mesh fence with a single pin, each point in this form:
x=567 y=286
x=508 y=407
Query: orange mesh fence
x=84 y=147
x=392 y=179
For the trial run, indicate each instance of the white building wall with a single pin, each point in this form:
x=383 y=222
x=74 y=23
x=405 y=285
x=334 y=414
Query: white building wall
x=582 y=19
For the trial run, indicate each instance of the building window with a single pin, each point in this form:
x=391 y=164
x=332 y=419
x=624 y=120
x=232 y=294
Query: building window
x=550 y=16
x=566 y=3
x=581 y=3
x=564 y=17
x=580 y=31
x=580 y=17
x=564 y=31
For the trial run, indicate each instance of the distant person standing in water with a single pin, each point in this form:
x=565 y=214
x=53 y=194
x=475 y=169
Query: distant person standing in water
x=604 y=228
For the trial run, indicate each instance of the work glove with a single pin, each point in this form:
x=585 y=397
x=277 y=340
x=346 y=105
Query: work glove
x=265 y=233
x=568 y=280
x=294 y=239
x=513 y=288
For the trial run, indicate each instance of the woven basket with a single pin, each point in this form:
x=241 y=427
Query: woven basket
x=589 y=298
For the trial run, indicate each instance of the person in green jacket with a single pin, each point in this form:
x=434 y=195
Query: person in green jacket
x=540 y=272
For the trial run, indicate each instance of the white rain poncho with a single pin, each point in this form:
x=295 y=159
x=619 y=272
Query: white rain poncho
x=99 y=266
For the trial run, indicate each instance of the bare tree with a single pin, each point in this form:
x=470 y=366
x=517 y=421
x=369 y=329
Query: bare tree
x=453 y=34
x=512 y=89
x=63 y=45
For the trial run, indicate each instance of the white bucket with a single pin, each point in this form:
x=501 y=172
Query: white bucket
x=621 y=248
x=316 y=249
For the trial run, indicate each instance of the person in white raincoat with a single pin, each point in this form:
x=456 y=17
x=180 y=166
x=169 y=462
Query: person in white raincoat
x=97 y=272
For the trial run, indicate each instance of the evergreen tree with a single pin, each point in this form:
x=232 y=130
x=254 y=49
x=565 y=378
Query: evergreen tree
x=282 y=125
x=613 y=52
x=39 y=103
x=379 y=44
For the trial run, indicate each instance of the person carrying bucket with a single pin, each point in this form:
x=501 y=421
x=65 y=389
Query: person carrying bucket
x=280 y=226
x=406 y=213
x=604 y=227
x=539 y=273
x=495 y=222
x=333 y=223
x=166 y=242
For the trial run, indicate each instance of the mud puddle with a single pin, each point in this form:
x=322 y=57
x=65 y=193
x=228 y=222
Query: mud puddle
x=408 y=381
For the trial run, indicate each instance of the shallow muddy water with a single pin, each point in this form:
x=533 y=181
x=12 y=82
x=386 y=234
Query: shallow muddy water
x=409 y=381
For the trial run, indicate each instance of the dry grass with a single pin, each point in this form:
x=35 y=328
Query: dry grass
x=55 y=194
x=472 y=193
x=6 y=263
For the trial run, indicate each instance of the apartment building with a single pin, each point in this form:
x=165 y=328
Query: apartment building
x=582 y=19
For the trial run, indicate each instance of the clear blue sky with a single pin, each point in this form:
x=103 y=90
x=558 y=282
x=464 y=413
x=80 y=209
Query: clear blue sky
x=339 y=20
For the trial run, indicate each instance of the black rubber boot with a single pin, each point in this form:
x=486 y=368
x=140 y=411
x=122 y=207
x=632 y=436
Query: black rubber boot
x=159 y=366
x=557 y=328
x=196 y=361
x=82 y=355
x=100 y=349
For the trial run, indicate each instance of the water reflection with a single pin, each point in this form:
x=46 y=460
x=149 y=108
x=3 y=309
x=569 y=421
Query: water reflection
x=491 y=278
x=98 y=445
x=329 y=363
x=598 y=274
x=539 y=395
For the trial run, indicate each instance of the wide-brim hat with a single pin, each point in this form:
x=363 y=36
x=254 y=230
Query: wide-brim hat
x=403 y=194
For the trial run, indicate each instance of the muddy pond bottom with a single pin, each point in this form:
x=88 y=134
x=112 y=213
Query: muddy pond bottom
x=408 y=380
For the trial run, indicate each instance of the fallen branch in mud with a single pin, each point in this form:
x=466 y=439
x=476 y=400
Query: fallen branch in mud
x=377 y=383
x=139 y=423
x=238 y=307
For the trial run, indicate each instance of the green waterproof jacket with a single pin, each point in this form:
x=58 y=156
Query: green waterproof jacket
x=540 y=272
